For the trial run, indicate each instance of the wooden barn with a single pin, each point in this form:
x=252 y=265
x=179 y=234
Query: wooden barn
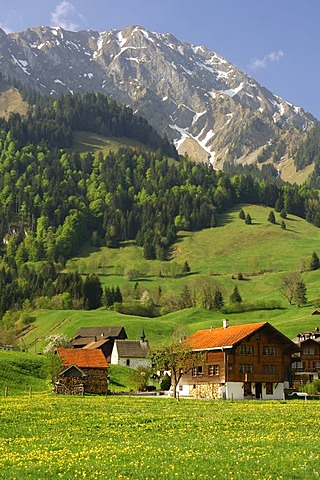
x=239 y=362
x=83 y=371
x=101 y=338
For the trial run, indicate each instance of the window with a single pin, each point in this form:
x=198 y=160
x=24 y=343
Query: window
x=269 y=369
x=258 y=336
x=269 y=388
x=213 y=370
x=245 y=368
x=249 y=349
x=272 y=351
x=308 y=351
x=128 y=362
x=272 y=369
x=246 y=349
x=197 y=371
x=265 y=350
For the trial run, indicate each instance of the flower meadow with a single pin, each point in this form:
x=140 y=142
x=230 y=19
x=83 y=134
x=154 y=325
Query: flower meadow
x=53 y=437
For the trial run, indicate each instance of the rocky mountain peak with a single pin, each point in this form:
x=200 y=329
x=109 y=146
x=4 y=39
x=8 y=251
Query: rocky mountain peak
x=209 y=107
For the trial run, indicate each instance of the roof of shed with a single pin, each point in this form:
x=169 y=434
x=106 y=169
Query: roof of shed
x=82 y=358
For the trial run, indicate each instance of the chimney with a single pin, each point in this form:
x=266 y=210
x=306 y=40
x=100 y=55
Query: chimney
x=225 y=323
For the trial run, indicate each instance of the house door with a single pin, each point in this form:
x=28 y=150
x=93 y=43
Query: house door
x=258 y=390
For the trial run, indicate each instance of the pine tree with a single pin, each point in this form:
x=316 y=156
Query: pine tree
x=242 y=214
x=300 y=294
x=248 y=219
x=271 y=217
x=314 y=262
x=283 y=225
x=218 y=299
x=235 y=297
x=283 y=213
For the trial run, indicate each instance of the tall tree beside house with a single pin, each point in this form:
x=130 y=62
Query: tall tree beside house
x=178 y=358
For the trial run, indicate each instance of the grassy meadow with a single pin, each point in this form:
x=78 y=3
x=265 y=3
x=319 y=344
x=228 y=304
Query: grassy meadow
x=262 y=252
x=49 y=437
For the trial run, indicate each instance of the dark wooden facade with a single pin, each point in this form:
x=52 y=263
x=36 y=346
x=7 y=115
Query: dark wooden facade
x=258 y=363
x=306 y=365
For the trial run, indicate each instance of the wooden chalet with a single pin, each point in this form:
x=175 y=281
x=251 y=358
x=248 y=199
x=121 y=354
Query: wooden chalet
x=83 y=371
x=306 y=363
x=101 y=338
x=239 y=362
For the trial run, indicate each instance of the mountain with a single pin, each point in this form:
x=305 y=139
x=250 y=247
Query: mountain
x=209 y=107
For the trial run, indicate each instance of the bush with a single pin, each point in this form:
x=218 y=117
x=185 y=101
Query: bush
x=165 y=383
x=312 y=388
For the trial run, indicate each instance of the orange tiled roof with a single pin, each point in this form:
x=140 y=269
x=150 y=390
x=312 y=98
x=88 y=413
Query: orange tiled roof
x=222 y=337
x=82 y=358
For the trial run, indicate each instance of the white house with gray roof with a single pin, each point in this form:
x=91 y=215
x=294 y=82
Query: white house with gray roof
x=131 y=353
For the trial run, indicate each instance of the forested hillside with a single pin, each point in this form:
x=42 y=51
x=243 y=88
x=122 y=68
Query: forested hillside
x=53 y=201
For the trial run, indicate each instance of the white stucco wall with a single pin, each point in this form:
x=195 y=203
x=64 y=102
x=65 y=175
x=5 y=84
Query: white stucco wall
x=114 y=355
x=234 y=390
x=134 y=362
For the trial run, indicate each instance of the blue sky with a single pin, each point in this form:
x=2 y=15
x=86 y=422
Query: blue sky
x=275 y=41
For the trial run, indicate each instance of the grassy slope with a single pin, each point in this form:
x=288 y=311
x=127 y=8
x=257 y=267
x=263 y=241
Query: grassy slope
x=20 y=371
x=88 y=142
x=263 y=252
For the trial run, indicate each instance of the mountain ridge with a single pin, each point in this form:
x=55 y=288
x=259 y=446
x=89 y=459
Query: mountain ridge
x=192 y=94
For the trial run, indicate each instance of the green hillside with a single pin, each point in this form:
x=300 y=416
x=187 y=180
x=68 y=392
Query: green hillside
x=20 y=371
x=84 y=142
x=262 y=252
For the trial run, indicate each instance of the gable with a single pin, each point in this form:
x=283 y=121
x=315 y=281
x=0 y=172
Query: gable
x=72 y=371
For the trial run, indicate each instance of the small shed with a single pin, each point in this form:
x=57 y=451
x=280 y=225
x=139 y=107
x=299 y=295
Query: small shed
x=84 y=371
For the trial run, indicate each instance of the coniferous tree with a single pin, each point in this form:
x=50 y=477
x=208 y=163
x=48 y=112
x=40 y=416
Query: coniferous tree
x=300 y=294
x=271 y=217
x=242 y=215
x=283 y=225
x=314 y=262
x=248 y=219
x=235 y=297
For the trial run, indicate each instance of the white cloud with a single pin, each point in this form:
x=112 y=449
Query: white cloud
x=65 y=15
x=269 y=58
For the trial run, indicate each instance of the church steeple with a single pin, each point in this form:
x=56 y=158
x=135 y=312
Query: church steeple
x=143 y=336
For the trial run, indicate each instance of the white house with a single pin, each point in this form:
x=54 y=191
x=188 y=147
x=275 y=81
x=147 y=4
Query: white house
x=131 y=353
